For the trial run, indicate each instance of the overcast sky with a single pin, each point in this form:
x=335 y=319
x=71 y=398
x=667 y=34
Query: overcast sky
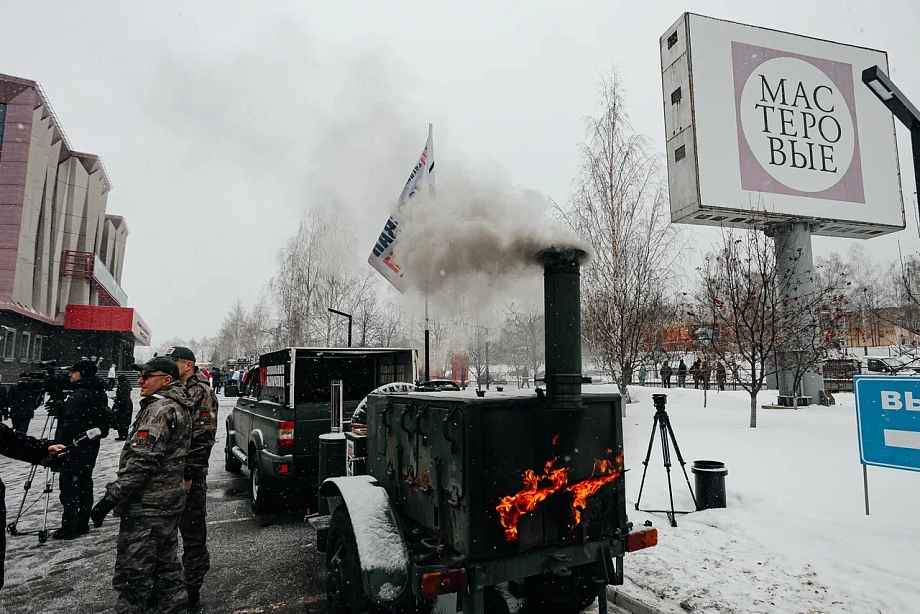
x=221 y=122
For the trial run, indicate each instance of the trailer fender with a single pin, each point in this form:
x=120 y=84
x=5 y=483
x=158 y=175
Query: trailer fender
x=382 y=550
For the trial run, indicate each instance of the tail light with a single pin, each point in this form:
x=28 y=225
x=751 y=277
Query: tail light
x=641 y=539
x=443 y=582
x=286 y=434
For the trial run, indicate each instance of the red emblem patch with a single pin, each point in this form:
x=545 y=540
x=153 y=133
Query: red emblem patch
x=140 y=438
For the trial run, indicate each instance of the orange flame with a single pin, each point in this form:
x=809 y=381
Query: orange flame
x=556 y=438
x=606 y=472
x=512 y=507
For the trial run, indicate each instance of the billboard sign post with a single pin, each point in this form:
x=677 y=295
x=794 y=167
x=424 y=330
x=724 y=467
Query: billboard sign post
x=888 y=422
x=765 y=126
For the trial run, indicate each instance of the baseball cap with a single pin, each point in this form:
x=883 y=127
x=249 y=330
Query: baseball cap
x=180 y=353
x=159 y=363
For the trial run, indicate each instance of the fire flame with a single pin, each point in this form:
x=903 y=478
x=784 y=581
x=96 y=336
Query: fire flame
x=511 y=507
x=605 y=471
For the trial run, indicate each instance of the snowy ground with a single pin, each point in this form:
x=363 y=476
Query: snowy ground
x=795 y=537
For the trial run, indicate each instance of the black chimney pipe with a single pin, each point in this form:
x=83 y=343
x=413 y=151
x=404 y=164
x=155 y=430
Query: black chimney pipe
x=562 y=304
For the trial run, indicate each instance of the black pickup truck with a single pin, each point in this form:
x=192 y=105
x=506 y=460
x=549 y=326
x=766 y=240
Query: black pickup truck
x=285 y=405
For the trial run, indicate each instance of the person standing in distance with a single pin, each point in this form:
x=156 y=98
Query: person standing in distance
x=149 y=493
x=196 y=560
x=124 y=408
x=79 y=413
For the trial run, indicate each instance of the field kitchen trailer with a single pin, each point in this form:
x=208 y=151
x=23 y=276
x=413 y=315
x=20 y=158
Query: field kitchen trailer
x=463 y=493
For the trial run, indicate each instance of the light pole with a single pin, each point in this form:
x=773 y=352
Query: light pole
x=902 y=108
x=345 y=315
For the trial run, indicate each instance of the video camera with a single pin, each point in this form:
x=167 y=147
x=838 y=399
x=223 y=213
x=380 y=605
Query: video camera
x=52 y=380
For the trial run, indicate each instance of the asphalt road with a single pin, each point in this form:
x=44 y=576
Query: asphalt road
x=259 y=564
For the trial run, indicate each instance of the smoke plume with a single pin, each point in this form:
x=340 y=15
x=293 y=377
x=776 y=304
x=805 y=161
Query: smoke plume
x=477 y=233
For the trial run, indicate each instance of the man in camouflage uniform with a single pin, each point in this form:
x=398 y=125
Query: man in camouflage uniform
x=149 y=493
x=195 y=557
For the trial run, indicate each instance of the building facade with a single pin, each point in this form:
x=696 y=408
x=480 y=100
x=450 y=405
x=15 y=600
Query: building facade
x=61 y=254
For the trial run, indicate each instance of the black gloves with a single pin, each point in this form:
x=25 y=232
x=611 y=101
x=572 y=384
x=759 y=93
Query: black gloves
x=100 y=511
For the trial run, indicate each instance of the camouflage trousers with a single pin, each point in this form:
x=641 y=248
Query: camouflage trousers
x=147 y=554
x=196 y=560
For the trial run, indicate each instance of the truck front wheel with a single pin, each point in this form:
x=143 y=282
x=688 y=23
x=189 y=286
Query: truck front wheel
x=231 y=463
x=344 y=590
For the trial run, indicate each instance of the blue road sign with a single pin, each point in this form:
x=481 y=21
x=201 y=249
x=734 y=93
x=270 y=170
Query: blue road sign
x=888 y=420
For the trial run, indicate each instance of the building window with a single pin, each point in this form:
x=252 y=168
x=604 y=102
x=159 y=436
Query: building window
x=37 y=348
x=24 y=340
x=9 y=343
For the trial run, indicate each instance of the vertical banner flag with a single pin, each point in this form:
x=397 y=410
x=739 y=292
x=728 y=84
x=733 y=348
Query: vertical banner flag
x=383 y=257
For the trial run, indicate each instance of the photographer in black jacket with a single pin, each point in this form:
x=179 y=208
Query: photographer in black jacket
x=24 y=448
x=79 y=414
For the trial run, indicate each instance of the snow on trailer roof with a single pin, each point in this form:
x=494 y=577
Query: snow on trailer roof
x=343 y=350
x=470 y=393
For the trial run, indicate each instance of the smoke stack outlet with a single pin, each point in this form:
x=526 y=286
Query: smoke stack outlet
x=562 y=308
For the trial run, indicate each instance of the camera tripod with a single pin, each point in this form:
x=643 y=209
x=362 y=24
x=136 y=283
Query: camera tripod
x=662 y=423
x=45 y=495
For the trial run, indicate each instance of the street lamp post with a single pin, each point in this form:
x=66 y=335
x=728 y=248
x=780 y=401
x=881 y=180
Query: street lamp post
x=902 y=108
x=345 y=315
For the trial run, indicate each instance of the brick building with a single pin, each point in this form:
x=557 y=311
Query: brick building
x=61 y=254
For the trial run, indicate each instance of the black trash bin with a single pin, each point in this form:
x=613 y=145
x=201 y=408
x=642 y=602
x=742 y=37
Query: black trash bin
x=709 y=477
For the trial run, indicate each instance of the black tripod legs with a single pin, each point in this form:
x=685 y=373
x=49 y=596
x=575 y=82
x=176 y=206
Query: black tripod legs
x=662 y=424
x=683 y=465
x=648 y=455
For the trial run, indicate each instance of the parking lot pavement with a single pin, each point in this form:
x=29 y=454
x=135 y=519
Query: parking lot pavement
x=258 y=563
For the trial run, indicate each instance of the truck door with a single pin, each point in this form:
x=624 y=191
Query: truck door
x=245 y=405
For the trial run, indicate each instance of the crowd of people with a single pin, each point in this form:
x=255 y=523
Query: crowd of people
x=160 y=488
x=701 y=372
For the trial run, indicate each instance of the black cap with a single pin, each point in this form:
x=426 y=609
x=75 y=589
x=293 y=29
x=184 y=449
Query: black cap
x=159 y=363
x=121 y=378
x=180 y=353
x=84 y=367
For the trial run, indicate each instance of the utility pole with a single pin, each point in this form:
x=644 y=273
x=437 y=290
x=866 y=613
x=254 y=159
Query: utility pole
x=487 y=365
x=346 y=315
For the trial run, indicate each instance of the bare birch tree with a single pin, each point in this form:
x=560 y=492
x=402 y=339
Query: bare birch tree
x=620 y=208
x=739 y=299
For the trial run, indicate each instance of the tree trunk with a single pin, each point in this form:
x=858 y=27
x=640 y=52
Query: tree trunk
x=753 y=410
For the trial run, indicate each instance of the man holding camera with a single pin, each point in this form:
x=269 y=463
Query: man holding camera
x=79 y=413
x=149 y=493
x=24 y=448
x=196 y=560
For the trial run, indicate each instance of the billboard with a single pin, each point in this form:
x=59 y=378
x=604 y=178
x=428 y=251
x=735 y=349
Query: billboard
x=763 y=125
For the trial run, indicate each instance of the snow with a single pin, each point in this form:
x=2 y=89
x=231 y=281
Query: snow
x=380 y=546
x=794 y=537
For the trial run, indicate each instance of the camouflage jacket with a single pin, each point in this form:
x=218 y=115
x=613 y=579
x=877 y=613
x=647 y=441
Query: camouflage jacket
x=204 y=425
x=150 y=471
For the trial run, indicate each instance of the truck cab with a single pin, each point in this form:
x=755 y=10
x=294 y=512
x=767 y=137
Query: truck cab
x=285 y=404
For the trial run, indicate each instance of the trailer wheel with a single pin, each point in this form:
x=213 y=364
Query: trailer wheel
x=261 y=494
x=554 y=594
x=344 y=589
